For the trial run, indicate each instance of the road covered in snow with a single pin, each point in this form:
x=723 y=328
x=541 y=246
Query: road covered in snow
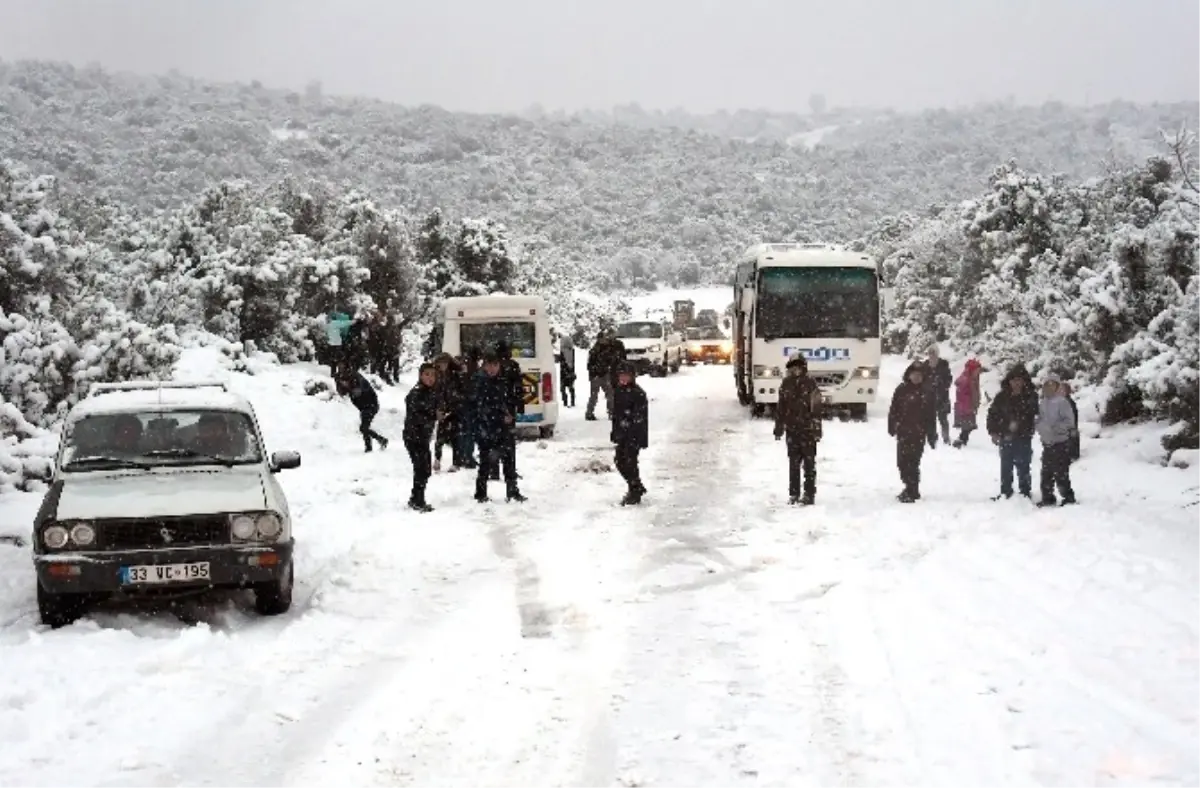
x=712 y=636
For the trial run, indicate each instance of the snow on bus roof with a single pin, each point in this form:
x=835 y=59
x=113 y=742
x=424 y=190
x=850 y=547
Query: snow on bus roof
x=164 y=398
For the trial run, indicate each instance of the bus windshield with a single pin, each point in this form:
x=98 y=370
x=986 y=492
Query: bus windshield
x=825 y=301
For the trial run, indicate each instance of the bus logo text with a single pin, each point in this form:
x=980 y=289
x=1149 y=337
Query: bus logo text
x=819 y=353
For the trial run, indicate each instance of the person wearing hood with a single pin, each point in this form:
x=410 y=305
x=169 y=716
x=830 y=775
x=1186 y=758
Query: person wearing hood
x=912 y=421
x=630 y=430
x=967 y=396
x=420 y=416
x=798 y=415
x=602 y=361
x=1010 y=423
x=940 y=380
x=1055 y=425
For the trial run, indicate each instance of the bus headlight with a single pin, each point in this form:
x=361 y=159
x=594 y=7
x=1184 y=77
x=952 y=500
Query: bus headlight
x=867 y=372
x=766 y=372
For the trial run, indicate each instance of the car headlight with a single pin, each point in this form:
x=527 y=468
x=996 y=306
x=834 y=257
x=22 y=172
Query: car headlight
x=654 y=348
x=766 y=372
x=83 y=534
x=866 y=372
x=55 y=537
x=257 y=527
x=243 y=526
x=269 y=525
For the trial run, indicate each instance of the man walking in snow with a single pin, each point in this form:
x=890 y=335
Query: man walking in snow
x=606 y=353
x=495 y=418
x=363 y=397
x=630 y=431
x=1055 y=425
x=798 y=415
x=510 y=374
x=1010 y=422
x=566 y=370
x=420 y=416
x=940 y=380
x=912 y=421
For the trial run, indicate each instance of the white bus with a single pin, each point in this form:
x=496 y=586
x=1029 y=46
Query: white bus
x=815 y=300
x=480 y=322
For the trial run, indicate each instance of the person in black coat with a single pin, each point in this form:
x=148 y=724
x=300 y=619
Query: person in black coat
x=363 y=397
x=495 y=416
x=798 y=416
x=1011 y=420
x=630 y=430
x=1074 y=450
x=510 y=373
x=420 y=417
x=912 y=421
x=941 y=378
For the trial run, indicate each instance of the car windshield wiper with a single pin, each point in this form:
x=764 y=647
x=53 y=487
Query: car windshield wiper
x=192 y=453
x=118 y=462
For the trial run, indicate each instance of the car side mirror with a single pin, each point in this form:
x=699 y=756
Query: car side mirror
x=285 y=460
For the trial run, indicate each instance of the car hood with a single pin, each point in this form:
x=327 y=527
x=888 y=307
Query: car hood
x=641 y=344
x=161 y=493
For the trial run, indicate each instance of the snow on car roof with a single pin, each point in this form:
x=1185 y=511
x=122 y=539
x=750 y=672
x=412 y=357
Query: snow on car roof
x=165 y=398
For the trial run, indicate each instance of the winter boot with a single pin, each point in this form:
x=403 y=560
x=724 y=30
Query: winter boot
x=908 y=496
x=1004 y=496
x=589 y=417
x=808 y=499
x=383 y=443
x=793 y=500
x=419 y=506
x=370 y=447
x=1068 y=500
x=437 y=466
x=514 y=494
x=634 y=496
x=1047 y=500
x=481 y=492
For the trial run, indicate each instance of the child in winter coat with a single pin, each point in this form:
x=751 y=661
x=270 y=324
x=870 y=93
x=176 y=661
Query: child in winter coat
x=630 y=430
x=420 y=416
x=1055 y=425
x=966 y=401
x=363 y=397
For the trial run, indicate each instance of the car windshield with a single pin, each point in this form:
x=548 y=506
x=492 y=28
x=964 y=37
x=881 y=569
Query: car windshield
x=710 y=332
x=162 y=437
x=693 y=333
x=520 y=336
x=818 y=302
x=640 y=330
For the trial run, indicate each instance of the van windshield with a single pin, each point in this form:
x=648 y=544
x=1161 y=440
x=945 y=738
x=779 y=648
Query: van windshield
x=161 y=437
x=482 y=337
x=640 y=330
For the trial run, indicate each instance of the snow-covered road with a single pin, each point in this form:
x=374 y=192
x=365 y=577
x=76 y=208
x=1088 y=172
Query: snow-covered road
x=713 y=636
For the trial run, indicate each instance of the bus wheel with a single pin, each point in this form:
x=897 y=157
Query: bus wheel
x=757 y=410
x=546 y=432
x=858 y=411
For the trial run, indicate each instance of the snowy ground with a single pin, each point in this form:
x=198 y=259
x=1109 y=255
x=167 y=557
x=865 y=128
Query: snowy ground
x=713 y=636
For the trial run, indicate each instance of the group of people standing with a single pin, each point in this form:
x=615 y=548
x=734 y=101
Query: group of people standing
x=370 y=340
x=920 y=414
x=922 y=403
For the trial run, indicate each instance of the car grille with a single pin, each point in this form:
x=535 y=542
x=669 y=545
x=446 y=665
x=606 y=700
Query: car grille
x=830 y=379
x=137 y=534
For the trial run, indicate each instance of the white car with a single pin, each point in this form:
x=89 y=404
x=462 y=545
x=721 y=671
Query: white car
x=162 y=489
x=653 y=346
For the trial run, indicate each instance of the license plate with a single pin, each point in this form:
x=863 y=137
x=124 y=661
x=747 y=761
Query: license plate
x=164 y=573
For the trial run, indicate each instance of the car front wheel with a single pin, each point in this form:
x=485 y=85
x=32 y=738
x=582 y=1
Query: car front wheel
x=274 y=597
x=60 y=610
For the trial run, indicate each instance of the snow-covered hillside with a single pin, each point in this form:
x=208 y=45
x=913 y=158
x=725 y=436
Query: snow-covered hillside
x=683 y=192
x=713 y=636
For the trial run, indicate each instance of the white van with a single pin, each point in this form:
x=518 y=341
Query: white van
x=482 y=321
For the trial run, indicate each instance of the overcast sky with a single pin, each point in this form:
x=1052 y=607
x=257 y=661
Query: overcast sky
x=488 y=55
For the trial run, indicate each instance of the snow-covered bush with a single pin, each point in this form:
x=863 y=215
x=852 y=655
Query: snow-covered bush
x=1097 y=282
